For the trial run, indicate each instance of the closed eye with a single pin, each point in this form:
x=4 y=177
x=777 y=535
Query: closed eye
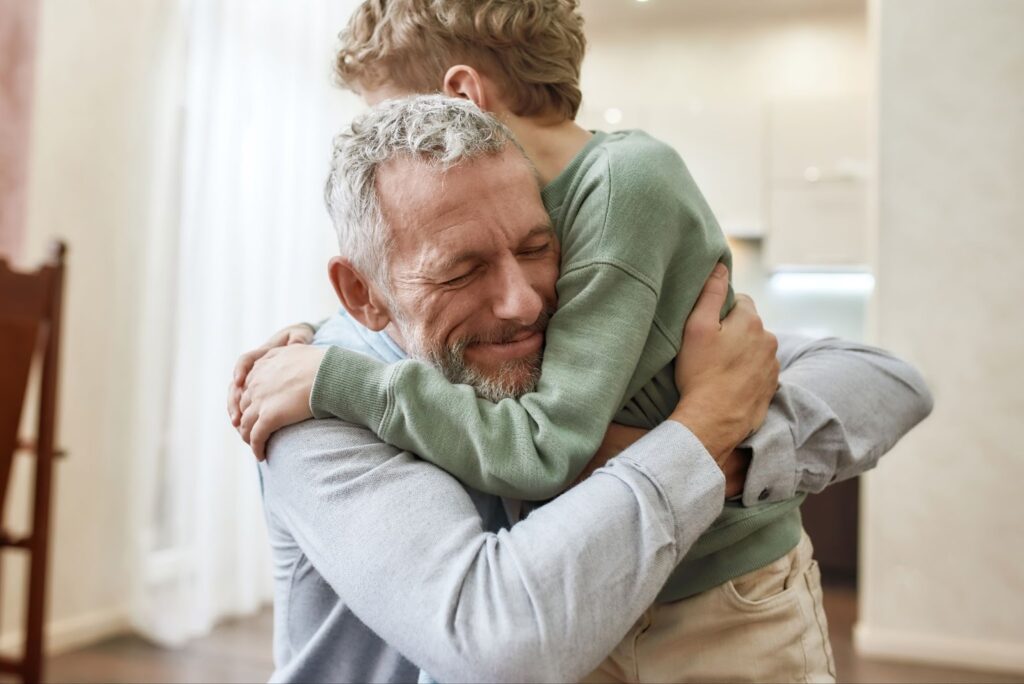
x=539 y=250
x=463 y=279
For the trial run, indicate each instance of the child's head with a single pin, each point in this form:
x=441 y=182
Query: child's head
x=530 y=50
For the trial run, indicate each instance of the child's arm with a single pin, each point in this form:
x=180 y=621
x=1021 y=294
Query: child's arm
x=532 y=448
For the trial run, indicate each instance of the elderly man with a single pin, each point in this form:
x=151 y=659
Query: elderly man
x=383 y=560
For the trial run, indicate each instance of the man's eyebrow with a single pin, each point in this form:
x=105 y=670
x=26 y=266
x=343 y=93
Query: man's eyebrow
x=542 y=229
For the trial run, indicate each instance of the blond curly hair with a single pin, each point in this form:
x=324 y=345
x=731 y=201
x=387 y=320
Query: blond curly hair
x=532 y=49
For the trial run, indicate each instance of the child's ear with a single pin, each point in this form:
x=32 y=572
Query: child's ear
x=358 y=295
x=466 y=82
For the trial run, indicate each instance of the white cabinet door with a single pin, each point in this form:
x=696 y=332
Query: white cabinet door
x=816 y=176
x=821 y=225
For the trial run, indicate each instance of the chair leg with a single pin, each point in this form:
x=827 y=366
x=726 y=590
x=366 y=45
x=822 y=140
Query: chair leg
x=39 y=549
x=34 y=635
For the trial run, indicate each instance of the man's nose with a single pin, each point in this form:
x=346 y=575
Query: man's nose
x=514 y=298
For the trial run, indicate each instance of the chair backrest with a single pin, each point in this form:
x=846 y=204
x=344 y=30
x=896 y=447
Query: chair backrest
x=29 y=305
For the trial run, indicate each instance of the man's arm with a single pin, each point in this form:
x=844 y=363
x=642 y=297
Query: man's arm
x=401 y=543
x=840 y=406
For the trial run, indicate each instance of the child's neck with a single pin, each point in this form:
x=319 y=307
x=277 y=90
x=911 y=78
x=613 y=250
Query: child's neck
x=550 y=145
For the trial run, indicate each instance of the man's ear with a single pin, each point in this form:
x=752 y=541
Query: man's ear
x=358 y=295
x=466 y=82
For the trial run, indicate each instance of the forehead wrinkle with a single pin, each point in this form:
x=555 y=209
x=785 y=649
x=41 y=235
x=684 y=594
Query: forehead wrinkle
x=437 y=259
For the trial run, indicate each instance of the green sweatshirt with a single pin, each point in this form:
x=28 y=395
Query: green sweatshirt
x=638 y=242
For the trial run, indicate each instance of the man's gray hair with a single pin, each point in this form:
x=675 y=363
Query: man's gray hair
x=439 y=130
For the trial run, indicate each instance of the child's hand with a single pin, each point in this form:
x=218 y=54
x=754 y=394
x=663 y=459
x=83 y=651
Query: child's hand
x=277 y=393
x=300 y=333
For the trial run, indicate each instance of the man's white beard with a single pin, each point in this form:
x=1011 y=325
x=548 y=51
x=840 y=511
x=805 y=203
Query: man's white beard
x=512 y=379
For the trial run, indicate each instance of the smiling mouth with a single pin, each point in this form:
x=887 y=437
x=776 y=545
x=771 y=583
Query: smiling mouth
x=525 y=343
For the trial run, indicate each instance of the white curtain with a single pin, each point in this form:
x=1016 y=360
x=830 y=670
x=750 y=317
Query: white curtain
x=255 y=112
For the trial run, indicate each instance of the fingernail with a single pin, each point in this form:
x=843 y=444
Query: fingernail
x=720 y=270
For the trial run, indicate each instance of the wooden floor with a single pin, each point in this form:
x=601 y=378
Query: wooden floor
x=240 y=652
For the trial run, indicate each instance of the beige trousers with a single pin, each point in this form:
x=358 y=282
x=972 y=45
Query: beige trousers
x=766 y=626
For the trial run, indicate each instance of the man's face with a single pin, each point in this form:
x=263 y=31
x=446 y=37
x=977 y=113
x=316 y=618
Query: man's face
x=473 y=267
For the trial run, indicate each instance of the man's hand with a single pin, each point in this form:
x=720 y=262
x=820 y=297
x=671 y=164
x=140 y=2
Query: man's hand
x=300 y=333
x=726 y=371
x=276 y=393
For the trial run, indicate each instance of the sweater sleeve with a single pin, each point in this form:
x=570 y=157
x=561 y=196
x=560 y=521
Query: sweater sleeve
x=609 y=292
x=530 y=448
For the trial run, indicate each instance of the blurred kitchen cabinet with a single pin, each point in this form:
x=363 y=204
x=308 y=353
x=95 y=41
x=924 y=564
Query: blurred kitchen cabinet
x=816 y=189
x=830 y=519
x=722 y=146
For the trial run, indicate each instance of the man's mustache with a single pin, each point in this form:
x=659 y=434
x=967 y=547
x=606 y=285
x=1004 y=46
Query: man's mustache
x=507 y=332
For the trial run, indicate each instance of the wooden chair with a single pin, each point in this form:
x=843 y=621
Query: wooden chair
x=30 y=311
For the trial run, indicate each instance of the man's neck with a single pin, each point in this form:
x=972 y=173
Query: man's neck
x=549 y=145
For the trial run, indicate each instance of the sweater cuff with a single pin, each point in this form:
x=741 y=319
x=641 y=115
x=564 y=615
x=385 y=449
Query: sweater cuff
x=351 y=386
x=680 y=466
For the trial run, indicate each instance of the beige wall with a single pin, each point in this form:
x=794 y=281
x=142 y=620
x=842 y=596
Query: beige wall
x=743 y=57
x=702 y=76
x=97 y=166
x=943 y=533
x=17 y=58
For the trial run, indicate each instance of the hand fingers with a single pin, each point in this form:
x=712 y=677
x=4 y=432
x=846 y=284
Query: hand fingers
x=744 y=316
x=746 y=301
x=234 y=397
x=245 y=364
x=246 y=401
x=258 y=439
x=300 y=335
x=279 y=338
x=709 y=304
x=249 y=419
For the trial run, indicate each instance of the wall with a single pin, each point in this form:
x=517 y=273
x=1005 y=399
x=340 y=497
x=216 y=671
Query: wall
x=100 y=145
x=943 y=536
x=147 y=496
x=701 y=76
x=17 y=57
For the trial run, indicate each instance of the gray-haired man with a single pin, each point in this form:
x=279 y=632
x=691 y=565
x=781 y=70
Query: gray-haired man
x=383 y=558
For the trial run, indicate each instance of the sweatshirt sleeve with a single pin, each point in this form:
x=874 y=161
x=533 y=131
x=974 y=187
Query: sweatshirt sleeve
x=633 y=229
x=530 y=448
